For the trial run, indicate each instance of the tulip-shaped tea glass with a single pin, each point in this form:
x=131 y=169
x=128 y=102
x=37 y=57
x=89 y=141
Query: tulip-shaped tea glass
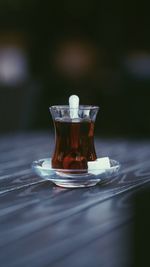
x=74 y=138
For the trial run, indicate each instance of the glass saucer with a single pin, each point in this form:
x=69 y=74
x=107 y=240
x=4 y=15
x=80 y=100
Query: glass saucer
x=74 y=178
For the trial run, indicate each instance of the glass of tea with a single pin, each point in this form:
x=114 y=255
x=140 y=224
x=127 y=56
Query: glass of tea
x=74 y=137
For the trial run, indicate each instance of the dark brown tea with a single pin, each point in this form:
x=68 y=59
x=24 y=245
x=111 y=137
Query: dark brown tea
x=74 y=144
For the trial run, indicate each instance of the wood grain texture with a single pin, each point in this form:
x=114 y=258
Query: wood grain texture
x=42 y=225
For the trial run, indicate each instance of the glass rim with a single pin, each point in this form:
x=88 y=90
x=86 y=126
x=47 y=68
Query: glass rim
x=81 y=107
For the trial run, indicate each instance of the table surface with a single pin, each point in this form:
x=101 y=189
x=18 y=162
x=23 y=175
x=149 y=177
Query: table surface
x=42 y=225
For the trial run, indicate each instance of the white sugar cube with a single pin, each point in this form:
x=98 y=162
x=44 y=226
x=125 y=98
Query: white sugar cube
x=104 y=163
x=100 y=163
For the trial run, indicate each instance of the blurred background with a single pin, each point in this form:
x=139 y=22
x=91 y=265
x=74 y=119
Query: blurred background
x=99 y=50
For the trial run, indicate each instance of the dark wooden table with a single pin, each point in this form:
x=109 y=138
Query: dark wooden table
x=42 y=225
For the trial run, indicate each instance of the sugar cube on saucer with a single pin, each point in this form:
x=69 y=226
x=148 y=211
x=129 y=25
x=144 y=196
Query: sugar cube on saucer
x=100 y=163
